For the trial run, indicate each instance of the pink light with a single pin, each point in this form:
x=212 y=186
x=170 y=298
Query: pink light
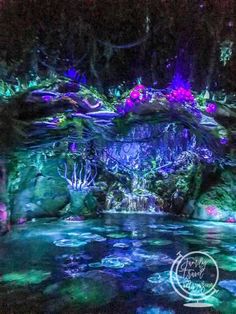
x=135 y=94
x=139 y=87
x=211 y=210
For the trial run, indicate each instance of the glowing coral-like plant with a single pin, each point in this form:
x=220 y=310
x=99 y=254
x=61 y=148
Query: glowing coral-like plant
x=80 y=176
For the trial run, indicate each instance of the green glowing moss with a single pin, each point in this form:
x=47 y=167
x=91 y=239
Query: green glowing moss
x=11 y=90
x=88 y=291
x=31 y=277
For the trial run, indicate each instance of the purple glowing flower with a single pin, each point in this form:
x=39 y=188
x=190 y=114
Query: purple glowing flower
x=75 y=75
x=231 y=219
x=120 y=109
x=139 y=87
x=211 y=108
x=3 y=212
x=73 y=147
x=211 y=210
x=129 y=103
x=185 y=133
x=135 y=94
x=71 y=73
x=47 y=98
x=180 y=95
x=224 y=141
x=179 y=82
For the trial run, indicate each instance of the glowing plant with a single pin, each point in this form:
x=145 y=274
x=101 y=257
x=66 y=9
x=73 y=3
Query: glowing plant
x=226 y=51
x=21 y=86
x=211 y=210
x=178 y=82
x=47 y=98
x=224 y=140
x=3 y=212
x=136 y=96
x=231 y=219
x=75 y=75
x=180 y=95
x=211 y=108
x=80 y=176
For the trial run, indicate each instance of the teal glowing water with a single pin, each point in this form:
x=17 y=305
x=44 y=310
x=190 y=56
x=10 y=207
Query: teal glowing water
x=114 y=264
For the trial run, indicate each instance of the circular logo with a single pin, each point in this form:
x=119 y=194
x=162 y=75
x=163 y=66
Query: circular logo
x=194 y=277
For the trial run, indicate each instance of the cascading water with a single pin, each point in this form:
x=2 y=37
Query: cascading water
x=148 y=150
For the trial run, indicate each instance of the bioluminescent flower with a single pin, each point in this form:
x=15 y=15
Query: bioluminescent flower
x=139 y=87
x=211 y=210
x=135 y=94
x=185 y=133
x=129 y=103
x=73 y=147
x=75 y=75
x=231 y=219
x=47 y=98
x=180 y=95
x=211 y=108
x=224 y=141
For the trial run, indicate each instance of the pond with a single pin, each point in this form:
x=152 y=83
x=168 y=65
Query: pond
x=118 y=263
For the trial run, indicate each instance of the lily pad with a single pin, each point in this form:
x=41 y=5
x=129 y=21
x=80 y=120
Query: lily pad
x=31 y=277
x=159 y=242
x=69 y=243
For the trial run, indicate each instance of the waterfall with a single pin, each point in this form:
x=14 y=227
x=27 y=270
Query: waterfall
x=147 y=153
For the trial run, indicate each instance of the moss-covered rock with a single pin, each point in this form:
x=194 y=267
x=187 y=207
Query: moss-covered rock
x=46 y=198
x=82 y=203
x=218 y=203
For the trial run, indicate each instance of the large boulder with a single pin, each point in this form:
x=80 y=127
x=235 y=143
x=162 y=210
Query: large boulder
x=218 y=203
x=45 y=198
x=82 y=203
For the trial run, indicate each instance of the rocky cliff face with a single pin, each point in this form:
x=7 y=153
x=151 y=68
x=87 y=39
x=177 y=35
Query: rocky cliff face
x=156 y=151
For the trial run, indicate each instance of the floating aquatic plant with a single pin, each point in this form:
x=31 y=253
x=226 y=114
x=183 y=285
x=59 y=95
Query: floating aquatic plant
x=31 y=277
x=115 y=262
x=70 y=243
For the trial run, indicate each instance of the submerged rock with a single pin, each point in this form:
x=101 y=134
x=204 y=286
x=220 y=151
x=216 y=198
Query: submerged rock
x=82 y=203
x=90 y=290
x=46 y=198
